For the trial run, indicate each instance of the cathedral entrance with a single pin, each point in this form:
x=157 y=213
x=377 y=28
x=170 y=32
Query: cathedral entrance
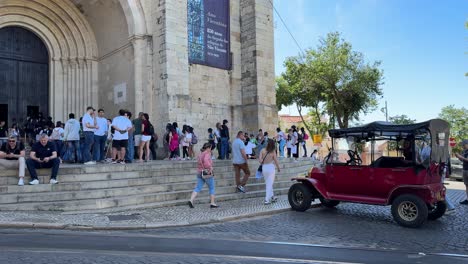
x=24 y=75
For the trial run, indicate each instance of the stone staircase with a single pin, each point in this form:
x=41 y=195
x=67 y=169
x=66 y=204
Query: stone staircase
x=115 y=187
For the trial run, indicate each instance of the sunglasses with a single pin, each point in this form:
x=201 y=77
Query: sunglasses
x=12 y=141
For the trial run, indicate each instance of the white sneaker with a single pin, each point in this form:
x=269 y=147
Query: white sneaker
x=53 y=181
x=34 y=182
x=21 y=182
x=91 y=162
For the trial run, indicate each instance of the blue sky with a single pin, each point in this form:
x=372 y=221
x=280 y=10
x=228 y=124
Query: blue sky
x=423 y=46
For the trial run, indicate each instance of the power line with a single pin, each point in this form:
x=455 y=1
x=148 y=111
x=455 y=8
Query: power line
x=289 y=31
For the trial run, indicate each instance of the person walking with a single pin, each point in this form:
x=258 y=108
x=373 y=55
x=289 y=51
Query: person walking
x=464 y=158
x=204 y=163
x=239 y=161
x=269 y=160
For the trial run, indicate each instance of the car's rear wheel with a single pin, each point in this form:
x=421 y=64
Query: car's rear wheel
x=438 y=211
x=409 y=210
x=300 y=197
x=329 y=203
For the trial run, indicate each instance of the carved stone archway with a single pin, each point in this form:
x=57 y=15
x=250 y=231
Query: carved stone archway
x=71 y=45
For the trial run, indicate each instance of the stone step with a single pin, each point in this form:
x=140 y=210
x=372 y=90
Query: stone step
x=71 y=183
x=226 y=193
x=117 y=192
x=202 y=199
x=175 y=176
x=113 y=187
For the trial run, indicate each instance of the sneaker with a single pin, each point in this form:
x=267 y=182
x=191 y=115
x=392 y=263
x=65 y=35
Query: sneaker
x=190 y=204
x=241 y=188
x=464 y=202
x=115 y=161
x=34 y=182
x=450 y=211
x=266 y=202
x=121 y=162
x=21 y=182
x=274 y=199
x=53 y=181
x=214 y=206
x=91 y=162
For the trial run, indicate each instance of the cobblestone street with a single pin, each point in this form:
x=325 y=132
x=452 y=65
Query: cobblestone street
x=349 y=225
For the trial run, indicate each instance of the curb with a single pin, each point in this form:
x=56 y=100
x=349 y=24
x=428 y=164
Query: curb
x=59 y=226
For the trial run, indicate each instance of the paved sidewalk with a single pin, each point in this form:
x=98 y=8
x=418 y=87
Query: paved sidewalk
x=162 y=217
x=144 y=218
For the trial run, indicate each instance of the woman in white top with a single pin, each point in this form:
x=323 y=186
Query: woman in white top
x=269 y=160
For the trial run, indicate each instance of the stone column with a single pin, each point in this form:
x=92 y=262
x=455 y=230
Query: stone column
x=257 y=57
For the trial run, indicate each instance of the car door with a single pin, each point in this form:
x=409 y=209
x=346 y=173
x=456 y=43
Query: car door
x=349 y=180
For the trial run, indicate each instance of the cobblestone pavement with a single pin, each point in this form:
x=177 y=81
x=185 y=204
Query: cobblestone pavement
x=348 y=225
x=148 y=218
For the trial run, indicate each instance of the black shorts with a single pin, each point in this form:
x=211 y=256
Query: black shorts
x=118 y=144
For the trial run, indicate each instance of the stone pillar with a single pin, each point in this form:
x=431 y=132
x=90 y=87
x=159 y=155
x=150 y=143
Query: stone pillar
x=257 y=57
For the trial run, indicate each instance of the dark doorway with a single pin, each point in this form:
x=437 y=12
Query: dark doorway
x=24 y=74
x=4 y=113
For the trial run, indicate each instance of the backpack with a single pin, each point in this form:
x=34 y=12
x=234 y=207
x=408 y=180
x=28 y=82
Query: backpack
x=299 y=137
x=150 y=129
x=306 y=137
x=55 y=134
x=194 y=139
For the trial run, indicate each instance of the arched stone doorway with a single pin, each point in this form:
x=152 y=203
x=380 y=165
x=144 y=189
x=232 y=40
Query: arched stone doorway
x=24 y=75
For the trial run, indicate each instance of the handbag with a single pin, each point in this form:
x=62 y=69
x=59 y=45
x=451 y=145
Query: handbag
x=259 y=174
x=205 y=173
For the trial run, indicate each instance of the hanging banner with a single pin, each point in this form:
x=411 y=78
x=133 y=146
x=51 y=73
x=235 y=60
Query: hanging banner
x=209 y=33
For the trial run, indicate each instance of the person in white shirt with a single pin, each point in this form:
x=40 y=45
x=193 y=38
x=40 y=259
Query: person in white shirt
x=281 y=139
x=249 y=146
x=100 y=137
x=71 y=138
x=89 y=126
x=121 y=125
x=57 y=137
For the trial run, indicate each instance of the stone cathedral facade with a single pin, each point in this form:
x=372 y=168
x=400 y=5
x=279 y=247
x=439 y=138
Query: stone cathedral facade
x=191 y=61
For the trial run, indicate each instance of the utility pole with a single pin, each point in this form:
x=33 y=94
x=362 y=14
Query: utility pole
x=386 y=111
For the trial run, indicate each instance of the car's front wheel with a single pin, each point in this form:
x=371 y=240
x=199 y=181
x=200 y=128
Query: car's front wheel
x=409 y=210
x=300 y=197
x=329 y=203
x=437 y=211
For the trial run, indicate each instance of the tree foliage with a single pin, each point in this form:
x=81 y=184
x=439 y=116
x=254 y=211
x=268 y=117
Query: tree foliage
x=458 y=120
x=334 y=77
x=401 y=120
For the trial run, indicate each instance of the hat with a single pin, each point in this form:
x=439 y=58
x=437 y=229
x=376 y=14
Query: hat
x=464 y=142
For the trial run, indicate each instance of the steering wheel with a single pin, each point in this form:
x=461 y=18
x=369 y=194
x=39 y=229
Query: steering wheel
x=354 y=158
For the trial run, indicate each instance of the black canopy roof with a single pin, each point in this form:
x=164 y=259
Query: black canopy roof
x=388 y=130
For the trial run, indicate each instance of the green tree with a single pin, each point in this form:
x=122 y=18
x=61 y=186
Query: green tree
x=458 y=120
x=335 y=76
x=401 y=120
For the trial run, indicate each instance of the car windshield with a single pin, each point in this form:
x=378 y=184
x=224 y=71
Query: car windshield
x=412 y=149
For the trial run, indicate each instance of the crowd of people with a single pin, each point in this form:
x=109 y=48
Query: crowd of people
x=95 y=139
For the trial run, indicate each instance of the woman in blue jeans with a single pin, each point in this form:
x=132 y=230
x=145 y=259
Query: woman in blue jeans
x=204 y=163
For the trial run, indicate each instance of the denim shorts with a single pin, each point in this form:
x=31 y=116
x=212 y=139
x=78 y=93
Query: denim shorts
x=200 y=182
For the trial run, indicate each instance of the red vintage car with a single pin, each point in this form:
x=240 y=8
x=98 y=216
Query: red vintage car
x=382 y=164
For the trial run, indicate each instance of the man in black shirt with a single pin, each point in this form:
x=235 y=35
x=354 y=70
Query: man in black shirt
x=224 y=140
x=13 y=154
x=464 y=158
x=43 y=155
x=3 y=132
